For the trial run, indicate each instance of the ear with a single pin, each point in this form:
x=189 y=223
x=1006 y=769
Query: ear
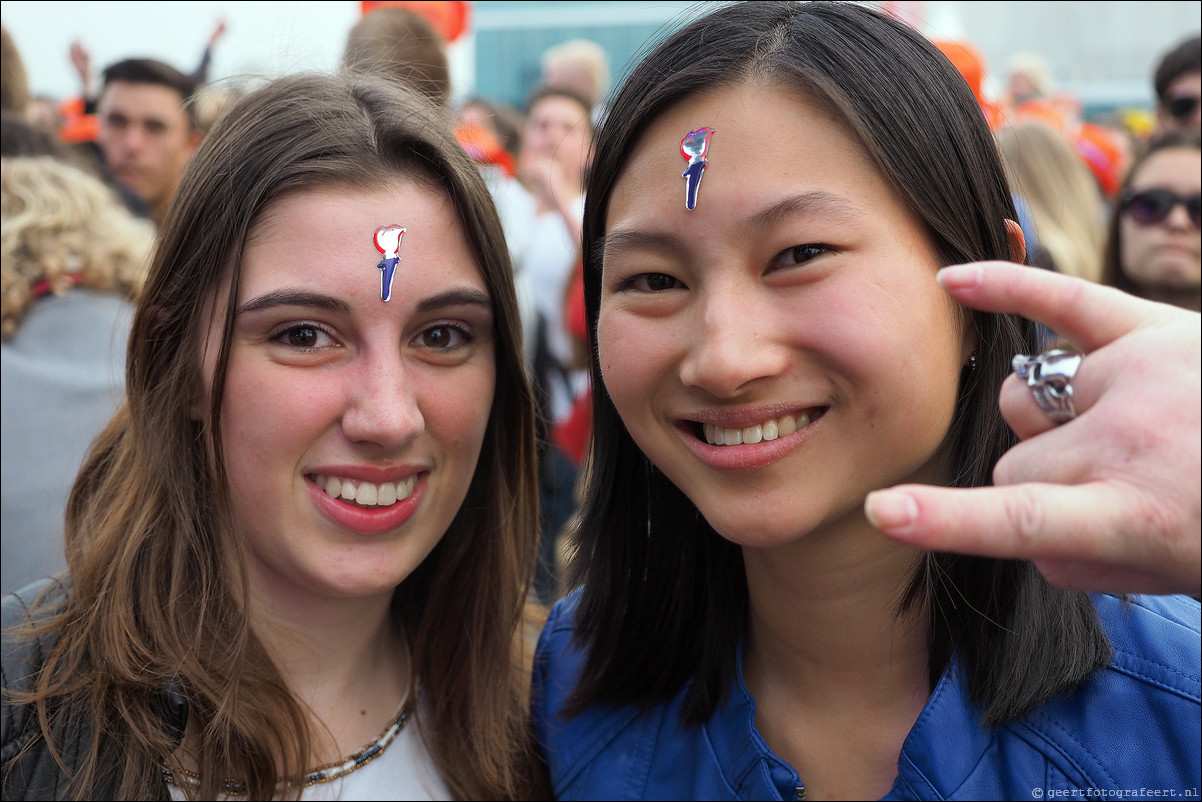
x=1018 y=243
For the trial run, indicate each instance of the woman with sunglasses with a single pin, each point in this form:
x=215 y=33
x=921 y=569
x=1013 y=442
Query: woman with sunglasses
x=1153 y=248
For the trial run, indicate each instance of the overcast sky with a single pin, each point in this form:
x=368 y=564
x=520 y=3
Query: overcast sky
x=263 y=37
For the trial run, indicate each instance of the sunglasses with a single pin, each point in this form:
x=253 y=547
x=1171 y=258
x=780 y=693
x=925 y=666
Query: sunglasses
x=1181 y=107
x=1153 y=206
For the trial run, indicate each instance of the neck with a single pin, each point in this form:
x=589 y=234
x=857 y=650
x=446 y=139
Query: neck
x=824 y=605
x=838 y=677
x=345 y=659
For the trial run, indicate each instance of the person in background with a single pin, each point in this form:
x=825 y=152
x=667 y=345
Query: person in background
x=1065 y=201
x=1178 y=84
x=402 y=45
x=72 y=260
x=771 y=346
x=200 y=75
x=581 y=66
x=1153 y=247
x=556 y=147
x=300 y=554
x=14 y=80
x=148 y=129
x=491 y=136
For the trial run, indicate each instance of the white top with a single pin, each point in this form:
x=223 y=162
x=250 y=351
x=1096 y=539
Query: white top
x=396 y=765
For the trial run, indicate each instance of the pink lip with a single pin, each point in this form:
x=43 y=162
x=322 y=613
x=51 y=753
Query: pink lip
x=367 y=520
x=745 y=457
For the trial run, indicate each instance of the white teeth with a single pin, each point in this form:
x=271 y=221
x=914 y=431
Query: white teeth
x=761 y=432
x=366 y=494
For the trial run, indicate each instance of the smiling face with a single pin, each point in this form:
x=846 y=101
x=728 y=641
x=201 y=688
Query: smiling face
x=351 y=426
x=1168 y=254
x=783 y=348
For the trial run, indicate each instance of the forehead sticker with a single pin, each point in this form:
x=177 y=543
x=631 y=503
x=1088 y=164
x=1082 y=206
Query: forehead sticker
x=693 y=148
x=388 y=242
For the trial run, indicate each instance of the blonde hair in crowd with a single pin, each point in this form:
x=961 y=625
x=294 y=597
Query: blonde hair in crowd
x=64 y=226
x=1065 y=200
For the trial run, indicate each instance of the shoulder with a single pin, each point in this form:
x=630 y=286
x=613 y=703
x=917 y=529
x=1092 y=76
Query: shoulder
x=574 y=747
x=630 y=752
x=21 y=657
x=1156 y=640
x=1134 y=723
x=1138 y=721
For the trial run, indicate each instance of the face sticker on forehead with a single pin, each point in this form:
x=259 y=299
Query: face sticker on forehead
x=693 y=148
x=388 y=242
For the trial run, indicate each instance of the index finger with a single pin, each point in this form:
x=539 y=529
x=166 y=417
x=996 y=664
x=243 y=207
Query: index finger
x=1088 y=314
x=1025 y=521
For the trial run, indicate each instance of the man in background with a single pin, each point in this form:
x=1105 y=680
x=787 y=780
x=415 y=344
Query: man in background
x=148 y=129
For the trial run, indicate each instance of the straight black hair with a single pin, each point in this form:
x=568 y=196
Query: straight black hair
x=664 y=597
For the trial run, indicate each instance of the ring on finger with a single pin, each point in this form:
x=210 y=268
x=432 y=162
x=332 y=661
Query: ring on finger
x=1050 y=377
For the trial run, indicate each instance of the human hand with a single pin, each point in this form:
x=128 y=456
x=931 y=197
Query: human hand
x=1109 y=501
x=81 y=60
x=218 y=32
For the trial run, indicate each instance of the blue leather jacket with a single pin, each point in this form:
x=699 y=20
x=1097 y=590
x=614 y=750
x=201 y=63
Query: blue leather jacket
x=1133 y=731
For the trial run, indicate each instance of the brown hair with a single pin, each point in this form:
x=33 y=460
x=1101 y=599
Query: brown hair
x=155 y=605
x=14 y=80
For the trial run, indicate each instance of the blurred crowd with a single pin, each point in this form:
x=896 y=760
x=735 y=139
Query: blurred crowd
x=86 y=180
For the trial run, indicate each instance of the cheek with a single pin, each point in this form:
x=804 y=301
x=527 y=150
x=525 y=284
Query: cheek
x=913 y=372
x=266 y=414
x=457 y=411
x=625 y=358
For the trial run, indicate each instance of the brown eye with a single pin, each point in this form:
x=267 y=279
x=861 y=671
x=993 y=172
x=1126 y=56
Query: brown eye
x=444 y=337
x=304 y=337
x=651 y=282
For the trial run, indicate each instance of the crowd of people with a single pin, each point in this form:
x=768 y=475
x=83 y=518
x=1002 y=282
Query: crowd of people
x=364 y=441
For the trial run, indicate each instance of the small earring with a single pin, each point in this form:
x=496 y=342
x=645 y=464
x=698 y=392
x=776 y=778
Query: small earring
x=972 y=361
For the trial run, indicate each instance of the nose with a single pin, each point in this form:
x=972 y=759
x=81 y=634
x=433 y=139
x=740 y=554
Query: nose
x=1179 y=217
x=382 y=404
x=132 y=139
x=731 y=345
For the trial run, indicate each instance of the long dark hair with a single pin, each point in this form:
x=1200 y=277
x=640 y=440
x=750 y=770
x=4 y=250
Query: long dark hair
x=664 y=597
x=154 y=602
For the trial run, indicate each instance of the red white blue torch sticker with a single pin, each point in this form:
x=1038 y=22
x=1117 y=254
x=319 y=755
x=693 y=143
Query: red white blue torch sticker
x=693 y=148
x=388 y=242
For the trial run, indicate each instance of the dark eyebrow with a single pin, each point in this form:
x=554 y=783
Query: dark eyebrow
x=455 y=298
x=328 y=303
x=817 y=202
x=827 y=204
x=286 y=297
